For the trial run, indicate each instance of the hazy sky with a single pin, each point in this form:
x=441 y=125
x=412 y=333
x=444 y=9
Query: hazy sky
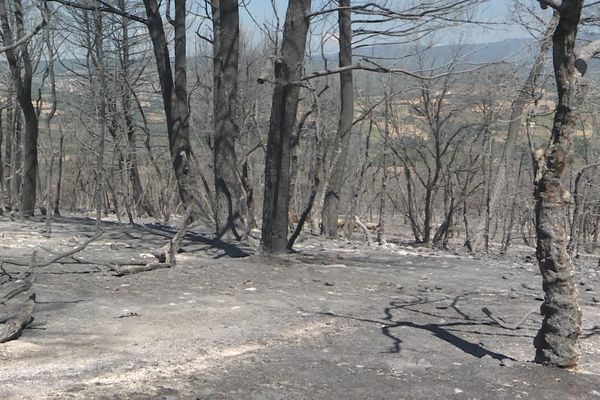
x=497 y=10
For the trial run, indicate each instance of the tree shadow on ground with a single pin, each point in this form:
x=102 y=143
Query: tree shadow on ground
x=447 y=331
x=151 y=235
x=229 y=249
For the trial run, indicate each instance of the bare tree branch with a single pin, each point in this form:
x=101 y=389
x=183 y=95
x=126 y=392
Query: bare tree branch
x=24 y=39
x=104 y=7
x=368 y=65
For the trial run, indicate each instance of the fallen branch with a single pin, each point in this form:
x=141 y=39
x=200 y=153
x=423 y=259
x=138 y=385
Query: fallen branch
x=25 y=283
x=127 y=315
x=59 y=256
x=505 y=325
x=71 y=252
x=122 y=270
x=173 y=246
x=23 y=287
x=108 y=264
x=10 y=277
x=13 y=327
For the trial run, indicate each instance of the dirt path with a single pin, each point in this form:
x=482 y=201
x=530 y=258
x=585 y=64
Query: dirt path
x=336 y=320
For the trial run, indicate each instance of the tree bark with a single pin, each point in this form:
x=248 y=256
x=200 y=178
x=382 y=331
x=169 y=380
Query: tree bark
x=231 y=212
x=288 y=69
x=557 y=342
x=344 y=131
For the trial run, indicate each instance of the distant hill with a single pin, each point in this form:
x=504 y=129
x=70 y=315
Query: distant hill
x=517 y=53
x=443 y=54
x=511 y=50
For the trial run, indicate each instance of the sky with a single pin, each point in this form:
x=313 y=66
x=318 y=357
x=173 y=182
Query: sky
x=497 y=10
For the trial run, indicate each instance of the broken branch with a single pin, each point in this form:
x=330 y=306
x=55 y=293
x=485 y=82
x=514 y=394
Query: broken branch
x=505 y=325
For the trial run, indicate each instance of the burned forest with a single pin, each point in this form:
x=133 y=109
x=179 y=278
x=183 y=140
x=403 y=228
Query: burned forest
x=301 y=199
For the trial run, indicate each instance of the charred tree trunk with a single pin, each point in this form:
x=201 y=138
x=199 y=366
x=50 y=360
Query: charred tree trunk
x=410 y=206
x=288 y=71
x=100 y=116
x=428 y=208
x=142 y=201
x=1 y=164
x=174 y=94
x=511 y=219
x=384 y=177
x=59 y=174
x=17 y=157
x=557 y=341
x=22 y=84
x=357 y=189
x=49 y=41
x=316 y=164
x=332 y=194
x=231 y=212
x=7 y=199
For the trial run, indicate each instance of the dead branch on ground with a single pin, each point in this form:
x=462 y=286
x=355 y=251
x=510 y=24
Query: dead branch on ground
x=122 y=270
x=506 y=325
x=13 y=327
x=58 y=257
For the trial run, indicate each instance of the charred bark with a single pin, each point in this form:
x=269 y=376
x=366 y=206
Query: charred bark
x=288 y=69
x=7 y=199
x=231 y=212
x=557 y=341
x=1 y=164
x=175 y=104
x=344 y=131
x=100 y=116
x=142 y=201
x=59 y=176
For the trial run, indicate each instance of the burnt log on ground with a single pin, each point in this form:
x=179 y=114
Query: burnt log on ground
x=13 y=327
x=122 y=270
